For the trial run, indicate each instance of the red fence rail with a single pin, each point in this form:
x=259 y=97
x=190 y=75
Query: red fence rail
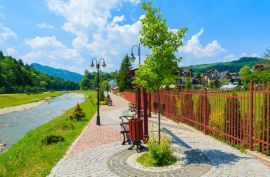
x=130 y=96
x=240 y=118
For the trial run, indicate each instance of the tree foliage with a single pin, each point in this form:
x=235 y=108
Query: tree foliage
x=89 y=81
x=161 y=64
x=106 y=86
x=17 y=77
x=124 y=79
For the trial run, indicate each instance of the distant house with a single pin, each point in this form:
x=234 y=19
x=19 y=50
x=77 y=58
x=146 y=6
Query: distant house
x=229 y=78
x=182 y=75
x=235 y=79
x=211 y=77
x=260 y=67
x=225 y=76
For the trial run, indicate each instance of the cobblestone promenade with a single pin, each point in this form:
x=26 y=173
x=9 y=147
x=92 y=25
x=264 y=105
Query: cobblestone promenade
x=98 y=152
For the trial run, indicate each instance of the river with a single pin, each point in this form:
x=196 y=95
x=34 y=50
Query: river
x=13 y=126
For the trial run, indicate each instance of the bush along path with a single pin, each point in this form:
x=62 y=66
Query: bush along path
x=40 y=149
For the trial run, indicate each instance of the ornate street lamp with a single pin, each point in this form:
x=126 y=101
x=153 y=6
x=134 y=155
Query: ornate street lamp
x=132 y=59
x=97 y=63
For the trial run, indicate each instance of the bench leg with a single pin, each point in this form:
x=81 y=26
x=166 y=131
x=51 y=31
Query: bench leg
x=140 y=148
x=124 y=141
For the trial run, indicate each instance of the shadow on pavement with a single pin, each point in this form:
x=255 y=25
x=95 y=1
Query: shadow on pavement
x=217 y=157
x=194 y=156
x=176 y=139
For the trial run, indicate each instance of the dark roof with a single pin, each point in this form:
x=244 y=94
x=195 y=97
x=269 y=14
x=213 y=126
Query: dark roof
x=224 y=75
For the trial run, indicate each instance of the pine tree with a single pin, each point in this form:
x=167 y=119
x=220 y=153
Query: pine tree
x=124 y=79
x=77 y=114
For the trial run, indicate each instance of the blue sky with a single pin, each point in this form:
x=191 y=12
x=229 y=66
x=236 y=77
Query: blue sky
x=69 y=33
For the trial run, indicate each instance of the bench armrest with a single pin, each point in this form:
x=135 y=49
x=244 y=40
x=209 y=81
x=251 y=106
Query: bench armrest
x=125 y=118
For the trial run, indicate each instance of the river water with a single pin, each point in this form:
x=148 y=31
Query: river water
x=13 y=126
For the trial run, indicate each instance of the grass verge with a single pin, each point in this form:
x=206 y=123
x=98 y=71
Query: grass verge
x=7 y=100
x=30 y=157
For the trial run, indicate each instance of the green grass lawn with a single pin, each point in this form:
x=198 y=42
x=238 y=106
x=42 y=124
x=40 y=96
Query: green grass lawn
x=30 y=157
x=7 y=100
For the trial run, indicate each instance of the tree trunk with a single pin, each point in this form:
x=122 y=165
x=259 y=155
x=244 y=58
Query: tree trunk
x=159 y=111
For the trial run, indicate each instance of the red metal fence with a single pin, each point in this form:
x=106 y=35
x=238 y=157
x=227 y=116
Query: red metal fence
x=240 y=118
x=130 y=96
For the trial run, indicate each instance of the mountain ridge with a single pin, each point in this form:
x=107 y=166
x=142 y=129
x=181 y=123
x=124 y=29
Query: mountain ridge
x=232 y=66
x=56 y=72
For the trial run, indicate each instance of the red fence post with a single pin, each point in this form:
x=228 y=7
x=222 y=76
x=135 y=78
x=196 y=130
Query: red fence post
x=205 y=110
x=149 y=105
x=145 y=115
x=251 y=115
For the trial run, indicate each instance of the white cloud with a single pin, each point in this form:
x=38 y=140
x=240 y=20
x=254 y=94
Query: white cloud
x=244 y=54
x=96 y=31
x=230 y=57
x=50 y=51
x=194 y=48
x=44 y=42
x=45 y=26
x=118 y=19
x=6 y=35
x=134 y=2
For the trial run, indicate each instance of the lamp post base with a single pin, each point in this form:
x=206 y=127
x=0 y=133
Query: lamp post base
x=98 y=120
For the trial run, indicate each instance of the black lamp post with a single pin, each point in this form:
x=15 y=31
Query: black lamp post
x=132 y=59
x=98 y=64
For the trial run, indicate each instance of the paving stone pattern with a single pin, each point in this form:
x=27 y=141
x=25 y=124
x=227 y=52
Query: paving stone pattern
x=196 y=164
x=98 y=152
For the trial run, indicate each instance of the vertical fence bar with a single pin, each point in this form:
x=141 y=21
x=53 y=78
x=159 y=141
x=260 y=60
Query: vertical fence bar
x=145 y=116
x=149 y=104
x=259 y=117
x=205 y=109
x=250 y=115
x=268 y=120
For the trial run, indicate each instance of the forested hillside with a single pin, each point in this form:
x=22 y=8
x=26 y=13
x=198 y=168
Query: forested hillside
x=17 y=77
x=64 y=74
x=233 y=66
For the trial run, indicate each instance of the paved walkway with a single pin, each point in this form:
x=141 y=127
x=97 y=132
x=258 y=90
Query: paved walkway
x=98 y=152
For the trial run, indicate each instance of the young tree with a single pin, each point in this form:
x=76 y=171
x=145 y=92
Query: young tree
x=244 y=73
x=106 y=86
x=123 y=79
x=159 y=66
x=87 y=81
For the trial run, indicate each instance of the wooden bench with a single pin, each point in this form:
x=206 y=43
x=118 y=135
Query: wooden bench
x=125 y=129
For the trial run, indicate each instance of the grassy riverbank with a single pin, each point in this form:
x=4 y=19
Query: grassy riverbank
x=30 y=157
x=7 y=100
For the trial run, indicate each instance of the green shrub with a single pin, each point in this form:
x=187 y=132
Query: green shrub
x=77 y=114
x=52 y=139
x=159 y=154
